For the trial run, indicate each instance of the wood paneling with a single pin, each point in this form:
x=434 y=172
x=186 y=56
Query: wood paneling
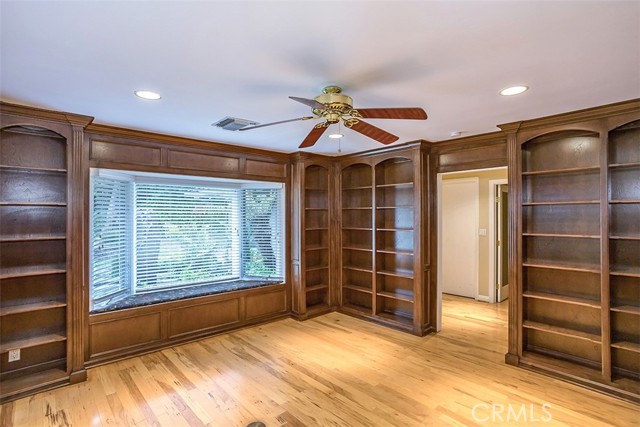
x=102 y=151
x=125 y=333
x=121 y=334
x=196 y=318
x=185 y=160
x=267 y=169
x=265 y=304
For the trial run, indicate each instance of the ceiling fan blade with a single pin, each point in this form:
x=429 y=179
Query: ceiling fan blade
x=314 y=135
x=277 y=123
x=371 y=131
x=310 y=102
x=393 y=113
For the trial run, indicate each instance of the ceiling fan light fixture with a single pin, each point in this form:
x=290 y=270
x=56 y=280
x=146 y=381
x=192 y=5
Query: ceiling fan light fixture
x=336 y=135
x=147 y=94
x=514 y=90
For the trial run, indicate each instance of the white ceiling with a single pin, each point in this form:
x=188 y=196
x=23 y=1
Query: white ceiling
x=211 y=59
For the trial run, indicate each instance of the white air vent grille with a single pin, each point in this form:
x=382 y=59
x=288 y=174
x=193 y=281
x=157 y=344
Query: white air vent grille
x=233 y=123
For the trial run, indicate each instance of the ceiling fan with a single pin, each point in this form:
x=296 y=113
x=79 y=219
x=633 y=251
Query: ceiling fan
x=333 y=106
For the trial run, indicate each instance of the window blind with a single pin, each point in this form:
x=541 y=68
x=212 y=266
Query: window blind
x=262 y=234
x=185 y=235
x=110 y=236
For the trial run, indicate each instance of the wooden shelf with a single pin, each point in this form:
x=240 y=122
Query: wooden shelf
x=33 y=204
x=357 y=288
x=10 y=273
x=561 y=171
x=32 y=169
x=579 y=236
x=314 y=268
x=624 y=165
x=394 y=229
x=317 y=287
x=622 y=202
x=395 y=251
x=316 y=209
x=357 y=228
x=25 y=383
x=627 y=345
x=399 y=319
x=363 y=187
x=396 y=185
x=356 y=268
x=567 y=202
x=562 y=298
x=316 y=228
x=399 y=294
x=32 y=237
x=356 y=309
x=315 y=248
x=629 y=309
x=399 y=273
x=27 y=308
x=30 y=342
x=395 y=207
x=561 y=267
x=358 y=208
x=627 y=272
x=562 y=331
x=624 y=237
x=357 y=248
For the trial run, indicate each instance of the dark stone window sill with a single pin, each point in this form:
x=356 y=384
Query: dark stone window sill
x=140 y=300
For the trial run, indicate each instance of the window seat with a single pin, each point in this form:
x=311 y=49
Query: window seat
x=168 y=295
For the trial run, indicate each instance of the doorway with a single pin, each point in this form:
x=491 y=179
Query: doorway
x=478 y=267
x=499 y=233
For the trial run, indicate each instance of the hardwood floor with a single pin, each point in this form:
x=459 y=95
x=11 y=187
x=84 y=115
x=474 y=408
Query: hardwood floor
x=330 y=371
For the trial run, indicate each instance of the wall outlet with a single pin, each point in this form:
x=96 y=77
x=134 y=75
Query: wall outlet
x=14 y=355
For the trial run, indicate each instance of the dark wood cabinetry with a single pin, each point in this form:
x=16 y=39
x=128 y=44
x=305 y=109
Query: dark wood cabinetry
x=382 y=274
x=576 y=258
x=313 y=291
x=36 y=255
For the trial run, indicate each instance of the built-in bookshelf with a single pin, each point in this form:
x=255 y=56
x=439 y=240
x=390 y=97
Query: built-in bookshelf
x=33 y=258
x=357 y=238
x=315 y=256
x=624 y=251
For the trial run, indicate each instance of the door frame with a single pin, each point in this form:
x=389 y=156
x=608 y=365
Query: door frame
x=475 y=180
x=493 y=185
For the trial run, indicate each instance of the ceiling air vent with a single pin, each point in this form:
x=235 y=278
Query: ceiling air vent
x=233 y=123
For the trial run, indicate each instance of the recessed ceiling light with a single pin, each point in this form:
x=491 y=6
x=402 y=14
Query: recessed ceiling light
x=513 y=90
x=147 y=94
x=336 y=136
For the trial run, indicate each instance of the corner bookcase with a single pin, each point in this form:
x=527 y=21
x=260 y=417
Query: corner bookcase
x=312 y=293
x=380 y=234
x=33 y=258
x=578 y=254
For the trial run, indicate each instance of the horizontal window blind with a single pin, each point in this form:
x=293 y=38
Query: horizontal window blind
x=185 y=235
x=262 y=234
x=110 y=236
x=157 y=232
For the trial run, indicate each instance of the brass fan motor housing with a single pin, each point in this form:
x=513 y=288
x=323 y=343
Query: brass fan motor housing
x=337 y=104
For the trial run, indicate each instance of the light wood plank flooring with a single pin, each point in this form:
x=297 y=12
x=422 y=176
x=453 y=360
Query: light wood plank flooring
x=330 y=371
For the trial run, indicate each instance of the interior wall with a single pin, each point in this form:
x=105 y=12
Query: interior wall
x=484 y=242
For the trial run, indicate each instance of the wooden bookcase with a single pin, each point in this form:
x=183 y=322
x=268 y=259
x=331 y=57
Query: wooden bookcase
x=312 y=253
x=33 y=257
x=357 y=238
x=575 y=309
x=381 y=275
x=624 y=252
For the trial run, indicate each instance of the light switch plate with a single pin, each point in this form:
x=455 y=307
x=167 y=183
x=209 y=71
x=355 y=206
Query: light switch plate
x=14 y=355
x=482 y=231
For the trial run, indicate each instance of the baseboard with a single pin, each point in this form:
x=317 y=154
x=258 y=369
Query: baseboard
x=483 y=298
